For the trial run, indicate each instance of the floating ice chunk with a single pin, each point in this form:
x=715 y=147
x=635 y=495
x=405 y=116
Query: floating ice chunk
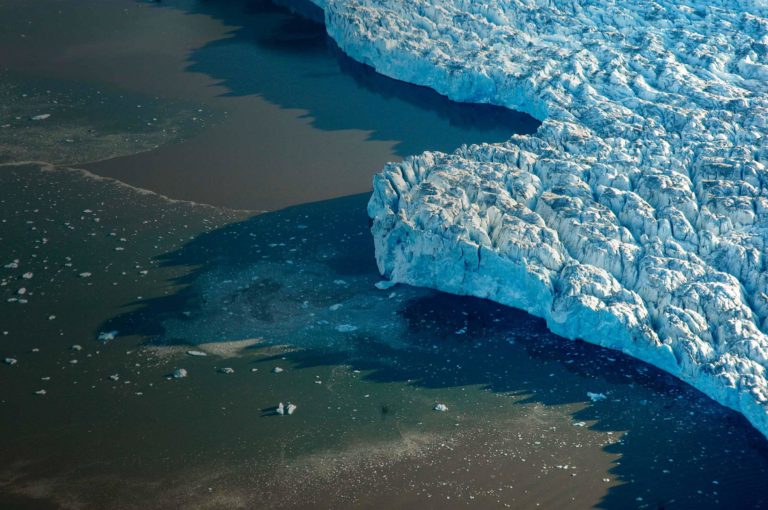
x=42 y=116
x=346 y=328
x=227 y=370
x=85 y=274
x=180 y=373
x=28 y=275
x=115 y=377
x=385 y=284
x=106 y=336
x=596 y=397
x=290 y=408
x=21 y=291
x=335 y=307
x=280 y=409
x=77 y=347
x=197 y=353
x=277 y=370
x=10 y=361
x=12 y=265
x=440 y=407
x=41 y=392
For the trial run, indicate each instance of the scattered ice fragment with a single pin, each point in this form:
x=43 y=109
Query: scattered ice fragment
x=40 y=392
x=114 y=377
x=335 y=307
x=277 y=370
x=28 y=275
x=12 y=265
x=85 y=274
x=440 y=407
x=385 y=284
x=106 y=336
x=280 y=409
x=42 y=116
x=51 y=317
x=197 y=353
x=180 y=373
x=21 y=291
x=290 y=408
x=580 y=424
x=77 y=347
x=10 y=361
x=595 y=397
x=227 y=370
x=346 y=328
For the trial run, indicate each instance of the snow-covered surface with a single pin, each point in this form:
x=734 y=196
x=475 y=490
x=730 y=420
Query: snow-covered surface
x=636 y=217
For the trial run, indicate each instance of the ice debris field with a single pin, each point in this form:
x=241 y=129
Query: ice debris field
x=636 y=217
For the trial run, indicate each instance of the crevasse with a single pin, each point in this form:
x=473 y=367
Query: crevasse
x=636 y=218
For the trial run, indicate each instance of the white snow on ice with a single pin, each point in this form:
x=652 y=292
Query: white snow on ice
x=636 y=217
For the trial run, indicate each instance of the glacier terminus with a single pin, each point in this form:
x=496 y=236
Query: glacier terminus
x=636 y=217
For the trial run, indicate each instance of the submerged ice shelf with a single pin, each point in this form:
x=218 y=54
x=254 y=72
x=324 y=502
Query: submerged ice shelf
x=636 y=217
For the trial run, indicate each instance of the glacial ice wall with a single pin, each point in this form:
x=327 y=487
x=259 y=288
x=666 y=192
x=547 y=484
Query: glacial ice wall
x=637 y=216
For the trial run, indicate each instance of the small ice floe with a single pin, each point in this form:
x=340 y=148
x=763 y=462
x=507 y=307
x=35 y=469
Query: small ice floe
x=40 y=392
x=335 y=307
x=77 y=347
x=10 y=361
x=42 y=116
x=385 y=284
x=197 y=353
x=51 y=317
x=596 y=397
x=346 y=328
x=106 y=336
x=227 y=370
x=85 y=274
x=282 y=409
x=440 y=407
x=277 y=370
x=115 y=377
x=12 y=265
x=580 y=424
x=28 y=275
x=180 y=373
x=21 y=291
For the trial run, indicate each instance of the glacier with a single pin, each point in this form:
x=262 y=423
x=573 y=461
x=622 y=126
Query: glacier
x=636 y=217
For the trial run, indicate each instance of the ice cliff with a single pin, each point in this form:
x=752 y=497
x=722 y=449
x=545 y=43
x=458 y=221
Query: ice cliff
x=636 y=218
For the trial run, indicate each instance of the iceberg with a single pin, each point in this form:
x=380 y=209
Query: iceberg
x=636 y=217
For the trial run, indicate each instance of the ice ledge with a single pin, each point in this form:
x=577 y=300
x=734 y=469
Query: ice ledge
x=636 y=217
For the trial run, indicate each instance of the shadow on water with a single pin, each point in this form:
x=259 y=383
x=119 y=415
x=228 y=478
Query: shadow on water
x=290 y=61
x=273 y=275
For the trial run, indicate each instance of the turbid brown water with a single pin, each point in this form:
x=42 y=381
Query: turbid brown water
x=292 y=289
x=301 y=122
